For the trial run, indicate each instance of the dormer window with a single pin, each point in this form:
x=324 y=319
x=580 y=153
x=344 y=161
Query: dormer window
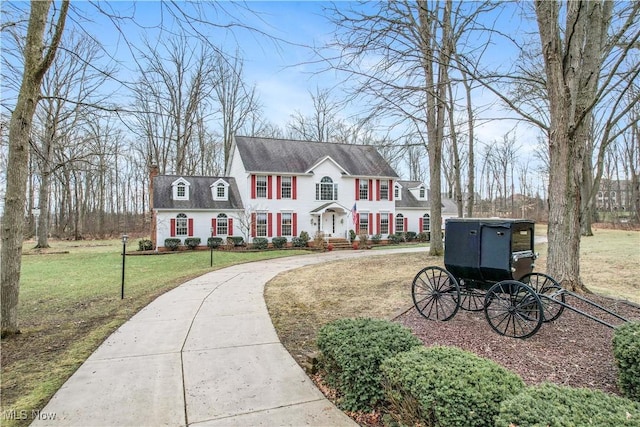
x=397 y=192
x=220 y=190
x=422 y=193
x=180 y=189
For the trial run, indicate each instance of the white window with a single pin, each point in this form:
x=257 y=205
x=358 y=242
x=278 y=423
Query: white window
x=180 y=189
x=400 y=223
x=286 y=225
x=384 y=223
x=222 y=225
x=285 y=187
x=261 y=187
x=364 y=189
x=182 y=225
x=422 y=193
x=261 y=224
x=326 y=189
x=396 y=192
x=363 y=226
x=220 y=190
x=426 y=223
x=384 y=190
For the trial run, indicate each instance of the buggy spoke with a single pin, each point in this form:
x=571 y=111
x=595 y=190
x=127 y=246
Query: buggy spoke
x=435 y=293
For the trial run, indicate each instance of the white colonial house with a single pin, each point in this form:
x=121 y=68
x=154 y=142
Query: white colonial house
x=279 y=187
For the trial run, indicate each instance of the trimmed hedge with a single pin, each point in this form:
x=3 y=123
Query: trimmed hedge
x=260 y=243
x=396 y=238
x=172 y=243
x=446 y=386
x=192 y=242
x=214 y=242
x=553 y=405
x=145 y=245
x=279 y=242
x=626 y=350
x=236 y=240
x=352 y=351
x=376 y=238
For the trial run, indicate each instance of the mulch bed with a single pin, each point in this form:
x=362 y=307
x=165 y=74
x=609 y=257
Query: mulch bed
x=572 y=350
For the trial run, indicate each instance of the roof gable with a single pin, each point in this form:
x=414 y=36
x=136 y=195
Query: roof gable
x=270 y=155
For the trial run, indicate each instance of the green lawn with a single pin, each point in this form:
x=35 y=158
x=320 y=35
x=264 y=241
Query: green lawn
x=70 y=302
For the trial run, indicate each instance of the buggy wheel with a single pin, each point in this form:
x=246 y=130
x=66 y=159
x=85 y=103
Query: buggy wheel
x=513 y=309
x=471 y=299
x=549 y=291
x=436 y=294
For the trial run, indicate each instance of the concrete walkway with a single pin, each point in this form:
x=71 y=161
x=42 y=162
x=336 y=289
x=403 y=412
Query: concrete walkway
x=203 y=354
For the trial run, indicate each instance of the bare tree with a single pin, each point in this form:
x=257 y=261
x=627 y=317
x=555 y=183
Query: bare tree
x=574 y=56
x=38 y=57
x=322 y=125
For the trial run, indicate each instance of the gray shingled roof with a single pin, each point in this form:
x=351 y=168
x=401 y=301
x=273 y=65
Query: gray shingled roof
x=408 y=200
x=291 y=156
x=199 y=193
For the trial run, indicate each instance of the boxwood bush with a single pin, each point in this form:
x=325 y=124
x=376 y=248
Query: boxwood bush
x=376 y=238
x=279 y=242
x=192 y=242
x=626 y=350
x=172 y=243
x=553 y=405
x=214 y=242
x=351 y=353
x=446 y=386
x=260 y=243
x=236 y=240
x=396 y=238
x=145 y=245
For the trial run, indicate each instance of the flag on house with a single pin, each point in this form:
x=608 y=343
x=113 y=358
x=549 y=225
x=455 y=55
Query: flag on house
x=354 y=217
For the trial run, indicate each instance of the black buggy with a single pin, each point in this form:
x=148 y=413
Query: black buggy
x=489 y=267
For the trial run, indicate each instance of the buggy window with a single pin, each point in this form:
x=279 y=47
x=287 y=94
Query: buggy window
x=521 y=240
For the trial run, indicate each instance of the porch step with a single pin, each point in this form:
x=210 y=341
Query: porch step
x=339 y=243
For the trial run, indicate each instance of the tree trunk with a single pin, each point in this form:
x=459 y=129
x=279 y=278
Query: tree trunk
x=35 y=66
x=572 y=66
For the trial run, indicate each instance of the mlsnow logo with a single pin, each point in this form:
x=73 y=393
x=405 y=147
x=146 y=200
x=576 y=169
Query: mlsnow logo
x=22 y=415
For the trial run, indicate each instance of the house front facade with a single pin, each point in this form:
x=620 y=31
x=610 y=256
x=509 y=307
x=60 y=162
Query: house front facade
x=279 y=188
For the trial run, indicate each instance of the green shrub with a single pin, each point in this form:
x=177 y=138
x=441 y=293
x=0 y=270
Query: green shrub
x=304 y=237
x=236 y=240
x=145 y=245
x=214 y=242
x=352 y=351
x=376 y=238
x=626 y=350
x=422 y=237
x=260 y=243
x=410 y=236
x=396 y=238
x=172 y=243
x=552 y=405
x=300 y=242
x=352 y=235
x=279 y=242
x=446 y=386
x=192 y=242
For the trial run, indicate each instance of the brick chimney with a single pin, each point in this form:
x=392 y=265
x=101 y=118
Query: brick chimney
x=153 y=172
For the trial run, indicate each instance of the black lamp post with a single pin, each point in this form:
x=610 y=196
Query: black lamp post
x=124 y=250
x=211 y=250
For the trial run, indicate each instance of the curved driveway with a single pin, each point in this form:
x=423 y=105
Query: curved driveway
x=202 y=354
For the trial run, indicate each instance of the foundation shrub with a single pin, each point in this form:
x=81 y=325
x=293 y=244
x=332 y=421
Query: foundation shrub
x=192 y=242
x=626 y=351
x=445 y=386
x=172 y=243
x=260 y=243
x=279 y=242
x=351 y=353
x=558 y=406
x=214 y=242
